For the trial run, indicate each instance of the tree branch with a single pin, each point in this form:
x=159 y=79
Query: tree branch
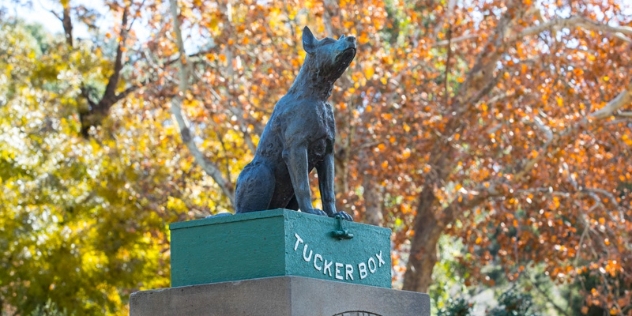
x=624 y=98
x=456 y=40
x=615 y=104
x=619 y=32
x=176 y=110
x=67 y=23
x=543 y=128
x=110 y=88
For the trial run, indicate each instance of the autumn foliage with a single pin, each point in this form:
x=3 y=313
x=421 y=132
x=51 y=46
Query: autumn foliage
x=506 y=125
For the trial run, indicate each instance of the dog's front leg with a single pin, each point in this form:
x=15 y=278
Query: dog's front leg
x=325 y=171
x=296 y=161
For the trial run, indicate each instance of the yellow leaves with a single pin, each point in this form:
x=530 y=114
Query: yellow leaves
x=387 y=60
x=381 y=147
x=383 y=80
x=559 y=100
x=406 y=127
x=368 y=72
x=384 y=164
x=176 y=204
x=186 y=164
x=214 y=24
x=602 y=221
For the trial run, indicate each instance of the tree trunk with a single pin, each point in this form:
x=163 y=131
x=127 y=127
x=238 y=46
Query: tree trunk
x=423 y=250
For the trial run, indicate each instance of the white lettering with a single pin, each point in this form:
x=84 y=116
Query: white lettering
x=338 y=275
x=316 y=257
x=348 y=272
x=379 y=257
x=298 y=240
x=327 y=267
x=362 y=270
x=372 y=269
x=305 y=252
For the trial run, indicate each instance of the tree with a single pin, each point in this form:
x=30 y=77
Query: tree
x=83 y=223
x=503 y=124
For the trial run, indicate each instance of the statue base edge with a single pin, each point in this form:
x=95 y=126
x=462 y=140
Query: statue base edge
x=285 y=295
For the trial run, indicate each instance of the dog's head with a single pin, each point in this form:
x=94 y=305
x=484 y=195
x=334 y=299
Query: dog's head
x=328 y=56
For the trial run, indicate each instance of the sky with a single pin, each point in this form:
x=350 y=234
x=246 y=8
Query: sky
x=39 y=11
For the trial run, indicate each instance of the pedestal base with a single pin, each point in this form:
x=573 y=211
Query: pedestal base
x=279 y=296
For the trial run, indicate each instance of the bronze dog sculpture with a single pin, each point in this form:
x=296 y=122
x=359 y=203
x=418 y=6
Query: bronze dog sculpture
x=299 y=136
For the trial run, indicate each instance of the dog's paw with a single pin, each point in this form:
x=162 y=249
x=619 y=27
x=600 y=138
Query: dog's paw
x=344 y=216
x=316 y=211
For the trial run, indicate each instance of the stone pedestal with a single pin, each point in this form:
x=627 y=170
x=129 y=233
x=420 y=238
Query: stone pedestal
x=279 y=296
x=279 y=262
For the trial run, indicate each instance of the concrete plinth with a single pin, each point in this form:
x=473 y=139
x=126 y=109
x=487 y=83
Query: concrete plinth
x=278 y=296
x=278 y=243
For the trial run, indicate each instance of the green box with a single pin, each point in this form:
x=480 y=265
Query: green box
x=278 y=243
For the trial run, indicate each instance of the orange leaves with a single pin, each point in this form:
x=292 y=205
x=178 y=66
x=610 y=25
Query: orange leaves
x=405 y=208
x=602 y=221
x=406 y=154
x=484 y=108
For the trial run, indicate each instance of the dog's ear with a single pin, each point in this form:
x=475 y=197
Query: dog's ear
x=309 y=41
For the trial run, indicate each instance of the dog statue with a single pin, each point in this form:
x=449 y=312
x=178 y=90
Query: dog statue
x=299 y=136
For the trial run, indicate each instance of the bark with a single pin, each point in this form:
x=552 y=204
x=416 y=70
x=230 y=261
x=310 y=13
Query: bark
x=431 y=220
x=97 y=111
x=67 y=23
x=423 y=248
